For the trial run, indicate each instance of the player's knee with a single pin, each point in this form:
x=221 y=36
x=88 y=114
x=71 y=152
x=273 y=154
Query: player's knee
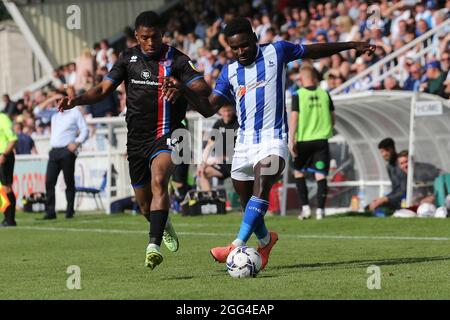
x=159 y=184
x=144 y=206
x=264 y=188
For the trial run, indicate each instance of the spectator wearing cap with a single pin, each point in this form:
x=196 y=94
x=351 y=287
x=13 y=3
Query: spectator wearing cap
x=434 y=78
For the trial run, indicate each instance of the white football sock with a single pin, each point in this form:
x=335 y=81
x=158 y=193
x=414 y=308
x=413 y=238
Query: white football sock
x=238 y=243
x=264 y=241
x=154 y=246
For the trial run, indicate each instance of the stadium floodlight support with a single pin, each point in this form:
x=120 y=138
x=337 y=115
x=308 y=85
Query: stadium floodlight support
x=29 y=35
x=389 y=66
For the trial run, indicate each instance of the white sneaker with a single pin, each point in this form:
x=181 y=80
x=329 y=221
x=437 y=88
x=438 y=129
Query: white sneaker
x=319 y=214
x=305 y=214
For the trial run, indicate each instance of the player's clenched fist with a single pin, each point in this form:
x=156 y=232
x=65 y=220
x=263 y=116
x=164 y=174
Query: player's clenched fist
x=65 y=104
x=364 y=47
x=171 y=88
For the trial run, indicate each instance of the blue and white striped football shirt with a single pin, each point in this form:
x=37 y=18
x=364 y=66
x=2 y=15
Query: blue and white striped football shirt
x=259 y=91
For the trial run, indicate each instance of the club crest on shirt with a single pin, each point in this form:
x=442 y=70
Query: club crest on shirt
x=145 y=74
x=241 y=91
x=193 y=66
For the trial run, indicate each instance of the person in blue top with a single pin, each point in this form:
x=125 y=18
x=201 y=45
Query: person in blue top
x=255 y=83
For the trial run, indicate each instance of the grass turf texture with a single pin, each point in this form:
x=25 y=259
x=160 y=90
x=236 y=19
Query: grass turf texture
x=325 y=259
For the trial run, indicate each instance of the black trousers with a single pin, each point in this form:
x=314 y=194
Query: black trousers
x=60 y=159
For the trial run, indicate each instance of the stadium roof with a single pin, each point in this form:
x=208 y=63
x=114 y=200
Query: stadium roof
x=44 y=24
x=367 y=117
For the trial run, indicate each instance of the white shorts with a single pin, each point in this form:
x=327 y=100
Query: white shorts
x=246 y=156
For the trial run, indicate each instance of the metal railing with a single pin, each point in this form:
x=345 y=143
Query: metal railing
x=390 y=66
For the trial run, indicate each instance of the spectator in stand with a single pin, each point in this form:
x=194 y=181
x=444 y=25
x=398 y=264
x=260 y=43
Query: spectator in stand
x=434 y=78
x=130 y=38
x=445 y=63
x=46 y=109
x=10 y=106
x=414 y=79
x=104 y=54
x=112 y=61
x=25 y=144
x=107 y=107
x=421 y=27
x=58 y=80
x=390 y=83
x=71 y=74
x=84 y=69
x=192 y=44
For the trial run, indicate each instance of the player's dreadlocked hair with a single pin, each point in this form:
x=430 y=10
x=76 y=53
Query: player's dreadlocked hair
x=237 y=26
x=149 y=19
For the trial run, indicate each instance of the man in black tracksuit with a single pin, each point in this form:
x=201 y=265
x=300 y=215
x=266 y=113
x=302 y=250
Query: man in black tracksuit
x=398 y=178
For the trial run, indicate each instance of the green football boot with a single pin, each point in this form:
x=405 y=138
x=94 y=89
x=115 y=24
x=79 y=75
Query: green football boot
x=170 y=237
x=153 y=257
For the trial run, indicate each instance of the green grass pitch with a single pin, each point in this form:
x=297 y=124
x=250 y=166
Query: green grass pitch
x=325 y=259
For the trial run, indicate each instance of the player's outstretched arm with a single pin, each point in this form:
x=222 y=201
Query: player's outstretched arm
x=93 y=95
x=320 y=50
x=196 y=93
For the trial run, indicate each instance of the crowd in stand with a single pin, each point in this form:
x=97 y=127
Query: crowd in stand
x=196 y=28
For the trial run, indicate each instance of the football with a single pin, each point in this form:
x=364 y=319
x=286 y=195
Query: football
x=243 y=262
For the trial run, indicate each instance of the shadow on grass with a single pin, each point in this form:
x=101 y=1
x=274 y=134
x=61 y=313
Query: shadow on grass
x=363 y=263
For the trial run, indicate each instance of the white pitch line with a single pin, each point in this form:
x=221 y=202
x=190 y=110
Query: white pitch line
x=213 y=234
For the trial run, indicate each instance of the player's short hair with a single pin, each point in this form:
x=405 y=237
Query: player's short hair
x=386 y=143
x=149 y=19
x=308 y=69
x=403 y=153
x=237 y=26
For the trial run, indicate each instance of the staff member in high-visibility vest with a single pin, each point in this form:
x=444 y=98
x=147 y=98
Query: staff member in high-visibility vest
x=311 y=125
x=8 y=140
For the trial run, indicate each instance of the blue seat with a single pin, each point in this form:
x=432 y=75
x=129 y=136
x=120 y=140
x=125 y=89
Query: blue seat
x=94 y=192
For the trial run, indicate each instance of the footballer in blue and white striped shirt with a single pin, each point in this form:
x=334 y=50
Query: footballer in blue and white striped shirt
x=255 y=83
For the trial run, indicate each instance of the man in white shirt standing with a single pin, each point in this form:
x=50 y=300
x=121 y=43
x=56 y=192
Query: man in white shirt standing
x=69 y=131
